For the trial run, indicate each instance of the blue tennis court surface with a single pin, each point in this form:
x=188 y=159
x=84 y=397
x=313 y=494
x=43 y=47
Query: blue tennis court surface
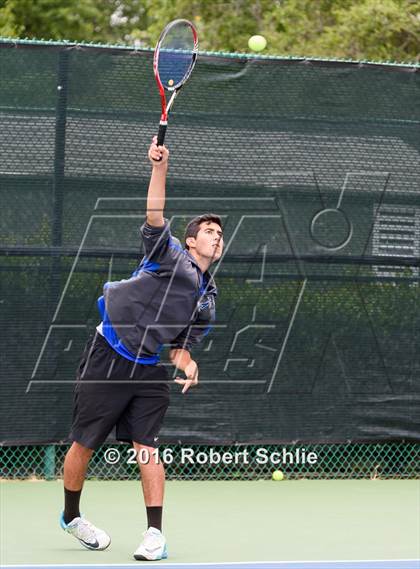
x=363 y=564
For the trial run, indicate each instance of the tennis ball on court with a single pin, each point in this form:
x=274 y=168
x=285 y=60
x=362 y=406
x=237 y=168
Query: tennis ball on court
x=277 y=475
x=257 y=43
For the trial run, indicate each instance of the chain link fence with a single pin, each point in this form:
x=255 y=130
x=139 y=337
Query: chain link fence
x=235 y=462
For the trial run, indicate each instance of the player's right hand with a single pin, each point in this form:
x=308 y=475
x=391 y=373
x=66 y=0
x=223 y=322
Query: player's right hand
x=158 y=155
x=191 y=371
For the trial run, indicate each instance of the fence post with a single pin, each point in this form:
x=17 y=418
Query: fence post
x=60 y=147
x=49 y=462
x=59 y=171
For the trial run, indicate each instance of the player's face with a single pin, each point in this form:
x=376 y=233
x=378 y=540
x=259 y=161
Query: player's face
x=209 y=241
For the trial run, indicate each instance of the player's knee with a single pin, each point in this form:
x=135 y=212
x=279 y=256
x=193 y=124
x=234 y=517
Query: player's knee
x=81 y=450
x=147 y=455
x=140 y=447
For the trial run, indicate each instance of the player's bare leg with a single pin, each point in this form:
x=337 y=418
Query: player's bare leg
x=75 y=468
x=153 y=546
x=152 y=475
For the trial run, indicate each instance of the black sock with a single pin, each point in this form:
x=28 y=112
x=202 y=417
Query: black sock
x=154 y=517
x=71 y=504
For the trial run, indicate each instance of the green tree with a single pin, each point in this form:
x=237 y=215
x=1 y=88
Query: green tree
x=47 y=19
x=9 y=27
x=356 y=29
x=222 y=26
x=386 y=29
x=76 y=20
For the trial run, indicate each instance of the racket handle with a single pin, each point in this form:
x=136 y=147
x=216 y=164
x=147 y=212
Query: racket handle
x=161 y=133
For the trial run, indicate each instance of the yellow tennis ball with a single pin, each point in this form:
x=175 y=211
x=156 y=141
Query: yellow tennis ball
x=257 y=43
x=170 y=82
x=277 y=475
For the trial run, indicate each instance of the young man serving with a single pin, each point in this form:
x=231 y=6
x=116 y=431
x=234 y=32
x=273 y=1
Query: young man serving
x=169 y=300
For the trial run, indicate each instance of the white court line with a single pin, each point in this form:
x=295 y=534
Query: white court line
x=207 y=564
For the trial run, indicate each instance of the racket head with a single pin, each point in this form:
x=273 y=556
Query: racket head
x=175 y=55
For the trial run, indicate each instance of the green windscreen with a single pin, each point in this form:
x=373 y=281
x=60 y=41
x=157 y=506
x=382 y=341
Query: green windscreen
x=314 y=168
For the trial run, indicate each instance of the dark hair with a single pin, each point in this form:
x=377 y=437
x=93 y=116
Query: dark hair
x=194 y=225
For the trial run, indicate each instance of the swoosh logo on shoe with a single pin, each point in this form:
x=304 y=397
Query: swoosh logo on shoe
x=93 y=545
x=152 y=549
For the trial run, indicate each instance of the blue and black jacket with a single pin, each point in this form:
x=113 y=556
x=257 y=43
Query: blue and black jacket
x=167 y=301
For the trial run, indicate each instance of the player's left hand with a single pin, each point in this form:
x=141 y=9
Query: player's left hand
x=191 y=371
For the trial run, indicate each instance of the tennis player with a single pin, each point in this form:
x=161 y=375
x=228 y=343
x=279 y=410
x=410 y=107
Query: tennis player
x=169 y=300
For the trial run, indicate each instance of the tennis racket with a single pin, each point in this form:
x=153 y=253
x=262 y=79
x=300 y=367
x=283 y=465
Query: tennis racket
x=174 y=59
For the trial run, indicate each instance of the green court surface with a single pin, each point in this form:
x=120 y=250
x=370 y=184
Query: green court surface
x=220 y=522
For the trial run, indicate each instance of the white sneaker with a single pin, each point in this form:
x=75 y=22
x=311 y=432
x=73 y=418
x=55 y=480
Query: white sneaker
x=88 y=535
x=153 y=546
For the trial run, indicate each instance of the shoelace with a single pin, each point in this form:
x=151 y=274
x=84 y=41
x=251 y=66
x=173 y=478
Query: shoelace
x=87 y=531
x=152 y=540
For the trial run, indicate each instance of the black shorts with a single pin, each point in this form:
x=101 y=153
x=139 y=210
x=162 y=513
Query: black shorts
x=113 y=391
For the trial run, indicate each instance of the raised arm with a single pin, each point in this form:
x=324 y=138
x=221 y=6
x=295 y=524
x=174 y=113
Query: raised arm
x=156 y=191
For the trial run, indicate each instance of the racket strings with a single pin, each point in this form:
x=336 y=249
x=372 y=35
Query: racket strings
x=177 y=50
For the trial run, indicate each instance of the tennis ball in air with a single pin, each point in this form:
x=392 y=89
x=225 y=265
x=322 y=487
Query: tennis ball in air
x=277 y=475
x=257 y=43
x=170 y=82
